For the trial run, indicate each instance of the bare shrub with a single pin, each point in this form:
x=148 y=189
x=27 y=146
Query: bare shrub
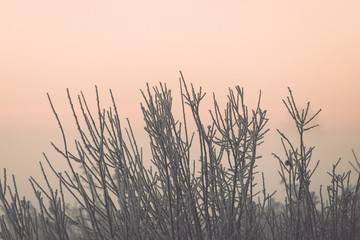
x=211 y=195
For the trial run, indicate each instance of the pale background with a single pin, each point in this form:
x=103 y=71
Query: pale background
x=48 y=46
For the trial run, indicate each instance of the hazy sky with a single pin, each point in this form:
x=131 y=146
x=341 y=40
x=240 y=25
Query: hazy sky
x=48 y=46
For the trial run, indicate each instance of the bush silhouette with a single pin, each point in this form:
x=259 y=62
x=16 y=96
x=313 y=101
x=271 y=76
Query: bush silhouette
x=211 y=197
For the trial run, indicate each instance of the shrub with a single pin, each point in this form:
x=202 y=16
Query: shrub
x=213 y=197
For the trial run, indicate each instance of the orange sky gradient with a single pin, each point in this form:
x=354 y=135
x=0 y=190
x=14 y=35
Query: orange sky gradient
x=47 y=46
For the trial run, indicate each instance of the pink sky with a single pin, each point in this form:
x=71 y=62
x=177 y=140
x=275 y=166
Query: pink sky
x=48 y=46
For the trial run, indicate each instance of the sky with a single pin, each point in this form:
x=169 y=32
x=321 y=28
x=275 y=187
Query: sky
x=313 y=47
